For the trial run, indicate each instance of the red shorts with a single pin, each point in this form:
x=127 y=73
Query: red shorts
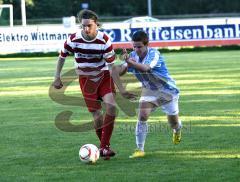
x=94 y=91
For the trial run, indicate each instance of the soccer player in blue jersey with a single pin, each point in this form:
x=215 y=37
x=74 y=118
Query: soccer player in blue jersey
x=158 y=88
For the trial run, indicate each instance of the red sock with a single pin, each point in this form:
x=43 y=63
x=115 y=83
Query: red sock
x=99 y=133
x=107 y=130
x=98 y=126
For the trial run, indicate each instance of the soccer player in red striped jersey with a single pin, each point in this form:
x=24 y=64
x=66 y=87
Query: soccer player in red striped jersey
x=94 y=56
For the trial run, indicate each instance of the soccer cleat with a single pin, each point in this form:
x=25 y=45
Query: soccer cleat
x=177 y=137
x=106 y=153
x=137 y=154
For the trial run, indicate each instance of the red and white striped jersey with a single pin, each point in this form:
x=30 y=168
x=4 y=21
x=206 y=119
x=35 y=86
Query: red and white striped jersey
x=90 y=56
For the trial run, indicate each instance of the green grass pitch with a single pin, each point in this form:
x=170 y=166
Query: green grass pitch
x=32 y=148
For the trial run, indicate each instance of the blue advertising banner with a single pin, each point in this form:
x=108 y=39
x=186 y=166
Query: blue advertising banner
x=198 y=32
x=201 y=35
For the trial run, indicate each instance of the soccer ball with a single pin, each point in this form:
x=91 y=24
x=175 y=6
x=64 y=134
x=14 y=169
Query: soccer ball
x=89 y=153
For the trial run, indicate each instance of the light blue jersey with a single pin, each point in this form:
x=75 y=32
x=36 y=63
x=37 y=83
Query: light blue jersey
x=158 y=77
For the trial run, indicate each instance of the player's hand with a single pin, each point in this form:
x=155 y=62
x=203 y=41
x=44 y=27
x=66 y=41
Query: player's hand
x=57 y=83
x=129 y=95
x=130 y=61
x=124 y=55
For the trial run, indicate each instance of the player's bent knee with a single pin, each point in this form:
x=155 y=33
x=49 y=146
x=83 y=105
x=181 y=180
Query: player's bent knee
x=111 y=110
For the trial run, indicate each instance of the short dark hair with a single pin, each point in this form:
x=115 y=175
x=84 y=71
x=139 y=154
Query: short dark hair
x=87 y=14
x=140 y=36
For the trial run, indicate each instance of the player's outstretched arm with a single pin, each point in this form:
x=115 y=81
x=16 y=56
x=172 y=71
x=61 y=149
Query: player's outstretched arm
x=116 y=72
x=57 y=83
x=140 y=67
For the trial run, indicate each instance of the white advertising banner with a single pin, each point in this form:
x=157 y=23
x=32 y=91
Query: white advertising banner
x=33 y=39
x=195 y=32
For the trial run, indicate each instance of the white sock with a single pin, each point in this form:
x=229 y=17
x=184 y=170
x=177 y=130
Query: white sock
x=141 y=134
x=178 y=128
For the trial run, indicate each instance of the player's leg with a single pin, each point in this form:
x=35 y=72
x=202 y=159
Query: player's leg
x=174 y=121
x=109 y=118
x=172 y=110
x=108 y=125
x=92 y=103
x=94 y=107
x=107 y=93
x=98 y=122
x=145 y=108
x=141 y=130
x=176 y=125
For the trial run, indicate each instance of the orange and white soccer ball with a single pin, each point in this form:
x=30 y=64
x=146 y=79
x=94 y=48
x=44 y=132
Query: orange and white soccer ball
x=89 y=153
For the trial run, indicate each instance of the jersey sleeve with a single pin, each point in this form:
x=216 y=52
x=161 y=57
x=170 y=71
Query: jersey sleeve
x=108 y=53
x=153 y=59
x=67 y=47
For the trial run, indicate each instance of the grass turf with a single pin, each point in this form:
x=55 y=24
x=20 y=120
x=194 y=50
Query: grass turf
x=32 y=148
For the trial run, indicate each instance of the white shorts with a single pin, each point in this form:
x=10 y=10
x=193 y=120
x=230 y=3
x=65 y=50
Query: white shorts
x=167 y=101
